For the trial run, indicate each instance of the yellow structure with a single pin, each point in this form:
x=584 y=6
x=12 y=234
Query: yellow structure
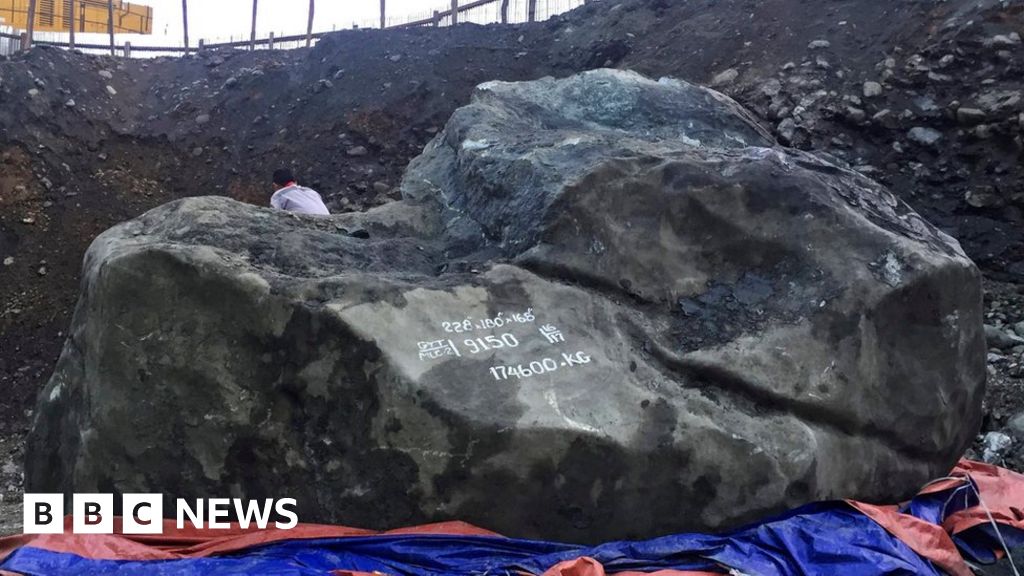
x=90 y=16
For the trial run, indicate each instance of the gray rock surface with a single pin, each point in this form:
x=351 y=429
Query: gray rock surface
x=607 y=307
x=924 y=136
x=1001 y=339
x=1016 y=426
x=872 y=89
x=725 y=77
x=970 y=116
x=996 y=445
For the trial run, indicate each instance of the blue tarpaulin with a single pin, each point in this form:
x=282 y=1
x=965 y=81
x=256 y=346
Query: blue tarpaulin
x=824 y=538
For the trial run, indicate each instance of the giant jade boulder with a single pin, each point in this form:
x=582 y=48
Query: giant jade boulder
x=607 y=307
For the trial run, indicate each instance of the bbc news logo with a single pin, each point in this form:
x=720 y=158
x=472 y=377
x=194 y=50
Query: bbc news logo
x=144 y=513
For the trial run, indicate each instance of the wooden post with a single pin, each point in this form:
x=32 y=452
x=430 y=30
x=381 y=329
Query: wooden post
x=455 y=12
x=25 y=45
x=127 y=49
x=532 y=10
x=270 y=41
x=110 y=24
x=252 y=35
x=309 y=24
x=504 y=11
x=71 y=24
x=24 y=41
x=383 y=12
x=202 y=43
x=184 y=21
x=437 y=18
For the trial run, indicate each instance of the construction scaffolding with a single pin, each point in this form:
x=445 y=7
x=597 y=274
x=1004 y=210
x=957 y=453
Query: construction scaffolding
x=90 y=16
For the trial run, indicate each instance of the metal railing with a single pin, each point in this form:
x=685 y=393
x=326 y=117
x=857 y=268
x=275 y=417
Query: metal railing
x=10 y=42
x=475 y=11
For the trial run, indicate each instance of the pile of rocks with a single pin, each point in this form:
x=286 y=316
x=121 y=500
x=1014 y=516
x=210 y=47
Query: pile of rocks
x=944 y=125
x=1001 y=440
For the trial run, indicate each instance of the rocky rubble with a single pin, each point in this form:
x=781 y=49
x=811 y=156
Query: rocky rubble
x=11 y=481
x=945 y=124
x=1001 y=440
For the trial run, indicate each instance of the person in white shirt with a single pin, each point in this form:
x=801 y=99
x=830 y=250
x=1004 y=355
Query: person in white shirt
x=294 y=198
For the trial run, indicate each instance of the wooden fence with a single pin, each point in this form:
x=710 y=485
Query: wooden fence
x=460 y=11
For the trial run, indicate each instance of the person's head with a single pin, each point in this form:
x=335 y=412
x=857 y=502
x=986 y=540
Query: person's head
x=283 y=178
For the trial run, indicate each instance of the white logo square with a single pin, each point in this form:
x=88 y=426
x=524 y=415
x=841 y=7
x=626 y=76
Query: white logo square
x=93 y=513
x=142 y=513
x=43 y=514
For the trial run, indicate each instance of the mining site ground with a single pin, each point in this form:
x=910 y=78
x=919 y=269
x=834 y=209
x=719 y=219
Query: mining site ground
x=924 y=97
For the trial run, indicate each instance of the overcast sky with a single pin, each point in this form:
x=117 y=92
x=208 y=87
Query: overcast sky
x=221 y=20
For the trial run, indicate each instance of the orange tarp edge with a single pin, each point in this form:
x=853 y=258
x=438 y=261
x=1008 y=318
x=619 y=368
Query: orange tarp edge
x=191 y=542
x=1002 y=492
x=928 y=540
